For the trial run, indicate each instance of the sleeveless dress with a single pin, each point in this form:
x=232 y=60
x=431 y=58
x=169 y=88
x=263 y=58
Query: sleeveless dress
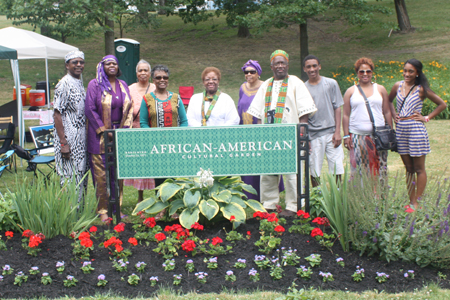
x=412 y=136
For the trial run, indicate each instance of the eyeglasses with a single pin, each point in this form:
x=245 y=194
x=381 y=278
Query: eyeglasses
x=250 y=72
x=210 y=79
x=161 y=77
x=362 y=72
x=76 y=62
x=279 y=64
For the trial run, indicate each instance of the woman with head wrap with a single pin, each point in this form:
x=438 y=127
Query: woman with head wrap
x=108 y=106
x=137 y=91
x=212 y=107
x=252 y=72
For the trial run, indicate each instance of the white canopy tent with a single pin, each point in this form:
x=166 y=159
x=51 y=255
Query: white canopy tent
x=31 y=45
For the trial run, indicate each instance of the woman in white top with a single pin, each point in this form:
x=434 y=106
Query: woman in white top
x=357 y=125
x=212 y=107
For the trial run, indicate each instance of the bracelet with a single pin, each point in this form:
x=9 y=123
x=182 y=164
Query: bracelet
x=346 y=137
x=427 y=119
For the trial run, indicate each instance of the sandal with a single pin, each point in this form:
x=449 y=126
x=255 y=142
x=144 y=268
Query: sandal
x=160 y=215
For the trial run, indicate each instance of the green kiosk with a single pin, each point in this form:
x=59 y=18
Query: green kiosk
x=127 y=52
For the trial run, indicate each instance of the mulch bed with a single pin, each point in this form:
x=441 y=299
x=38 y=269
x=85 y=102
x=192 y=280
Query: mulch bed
x=60 y=249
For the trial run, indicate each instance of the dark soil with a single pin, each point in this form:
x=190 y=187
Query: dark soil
x=60 y=249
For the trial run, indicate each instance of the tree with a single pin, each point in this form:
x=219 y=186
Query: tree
x=131 y=15
x=283 y=13
x=196 y=11
x=402 y=16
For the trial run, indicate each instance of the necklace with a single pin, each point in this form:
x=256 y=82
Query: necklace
x=404 y=89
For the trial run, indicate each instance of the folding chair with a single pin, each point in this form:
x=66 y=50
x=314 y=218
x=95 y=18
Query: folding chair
x=6 y=161
x=38 y=159
x=8 y=138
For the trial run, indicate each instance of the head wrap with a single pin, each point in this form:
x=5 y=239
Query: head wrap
x=279 y=53
x=101 y=77
x=73 y=54
x=254 y=64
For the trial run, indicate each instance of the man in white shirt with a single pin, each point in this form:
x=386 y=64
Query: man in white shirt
x=281 y=99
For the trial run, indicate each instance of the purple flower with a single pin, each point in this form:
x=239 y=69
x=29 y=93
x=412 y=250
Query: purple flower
x=364 y=233
x=69 y=277
x=6 y=268
x=34 y=268
x=44 y=274
x=377 y=226
x=101 y=277
x=395 y=216
x=1 y=278
x=229 y=273
x=86 y=263
x=189 y=261
x=60 y=264
x=154 y=278
x=241 y=260
x=252 y=272
x=339 y=259
x=411 y=230
x=374 y=240
x=376 y=209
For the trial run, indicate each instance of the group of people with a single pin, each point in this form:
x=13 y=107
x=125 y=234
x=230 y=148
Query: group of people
x=82 y=116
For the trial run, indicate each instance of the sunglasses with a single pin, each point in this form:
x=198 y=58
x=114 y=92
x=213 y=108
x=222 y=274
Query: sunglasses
x=368 y=72
x=161 y=77
x=250 y=72
x=76 y=62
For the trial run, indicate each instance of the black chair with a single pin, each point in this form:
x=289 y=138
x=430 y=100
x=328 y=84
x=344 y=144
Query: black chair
x=8 y=138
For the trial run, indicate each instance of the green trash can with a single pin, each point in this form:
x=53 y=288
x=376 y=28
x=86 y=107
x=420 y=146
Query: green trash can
x=127 y=52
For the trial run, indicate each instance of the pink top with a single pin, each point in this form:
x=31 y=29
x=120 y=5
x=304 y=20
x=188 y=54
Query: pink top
x=137 y=100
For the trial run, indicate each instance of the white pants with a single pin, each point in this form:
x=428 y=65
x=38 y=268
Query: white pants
x=270 y=196
x=335 y=156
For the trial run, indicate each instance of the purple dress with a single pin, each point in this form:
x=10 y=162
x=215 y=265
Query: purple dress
x=246 y=96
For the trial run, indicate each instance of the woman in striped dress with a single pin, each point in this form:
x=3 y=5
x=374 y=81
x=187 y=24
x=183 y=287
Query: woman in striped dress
x=412 y=134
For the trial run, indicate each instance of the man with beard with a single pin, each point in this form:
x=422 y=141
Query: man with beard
x=282 y=98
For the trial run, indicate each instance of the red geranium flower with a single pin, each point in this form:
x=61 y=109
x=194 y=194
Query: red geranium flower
x=34 y=241
x=150 y=222
x=249 y=233
x=86 y=243
x=84 y=235
x=119 y=227
x=119 y=248
x=279 y=229
x=9 y=234
x=188 y=245
x=132 y=241
x=317 y=220
x=160 y=237
x=216 y=240
x=107 y=221
x=300 y=213
x=316 y=231
x=140 y=213
x=112 y=241
x=272 y=218
x=28 y=233
x=93 y=229
x=258 y=214
x=232 y=218
x=73 y=234
x=306 y=216
x=197 y=226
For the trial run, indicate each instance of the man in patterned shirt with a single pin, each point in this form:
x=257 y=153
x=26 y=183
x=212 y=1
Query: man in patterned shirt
x=70 y=123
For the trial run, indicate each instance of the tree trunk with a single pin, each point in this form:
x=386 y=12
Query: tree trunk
x=162 y=3
x=109 y=30
x=243 y=31
x=303 y=47
x=402 y=15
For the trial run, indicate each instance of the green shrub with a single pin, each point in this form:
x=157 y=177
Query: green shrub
x=8 y=215
x=380 y=225
x=50 y=209
x=194 y=197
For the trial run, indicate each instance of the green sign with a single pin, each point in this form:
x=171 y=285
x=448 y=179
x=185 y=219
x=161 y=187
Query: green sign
x=228 y=150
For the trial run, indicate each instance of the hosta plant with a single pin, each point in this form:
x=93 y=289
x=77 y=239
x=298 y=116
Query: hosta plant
x=203 y=196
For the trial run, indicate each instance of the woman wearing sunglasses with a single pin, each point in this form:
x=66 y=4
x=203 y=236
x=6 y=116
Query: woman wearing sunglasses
x=212 y=107
x=357 y=125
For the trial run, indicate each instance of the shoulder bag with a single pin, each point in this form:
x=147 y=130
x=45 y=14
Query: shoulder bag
x=383 y=136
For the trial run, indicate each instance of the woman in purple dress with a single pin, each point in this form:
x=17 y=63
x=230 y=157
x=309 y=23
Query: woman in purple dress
x=108 y=106
x=252 y=71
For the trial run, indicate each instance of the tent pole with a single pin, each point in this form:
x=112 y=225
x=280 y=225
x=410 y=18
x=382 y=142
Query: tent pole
x=16 y=75
x=47 y=83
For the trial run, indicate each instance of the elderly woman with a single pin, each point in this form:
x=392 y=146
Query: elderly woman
x=137 y=91
x=357 y=126
x=212 y=107
x=412 y=136
x=108 y=106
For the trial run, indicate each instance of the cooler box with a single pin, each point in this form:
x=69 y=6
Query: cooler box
x=37 y=97
x=25 y=93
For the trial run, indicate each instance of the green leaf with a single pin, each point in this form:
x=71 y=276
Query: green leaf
x=175 y=205
x=144 y=205
x=209 y=208
x=188 y=217
x=235 y=210
x=157 y=207
x=229 y=180
x=223 y=196
x=255 y=205
x=191 y=199
x=167 y=190
x=249 y=188
x=239 y=201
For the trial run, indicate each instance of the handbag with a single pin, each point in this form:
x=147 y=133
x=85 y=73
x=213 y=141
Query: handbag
x=383 y=136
